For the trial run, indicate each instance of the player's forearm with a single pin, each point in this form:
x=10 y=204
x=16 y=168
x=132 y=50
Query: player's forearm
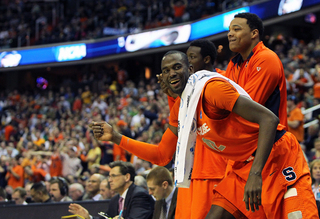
x=267 y=132
x=159 y=154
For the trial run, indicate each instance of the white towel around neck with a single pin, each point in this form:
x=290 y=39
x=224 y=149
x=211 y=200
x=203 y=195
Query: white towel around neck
x=187 y=128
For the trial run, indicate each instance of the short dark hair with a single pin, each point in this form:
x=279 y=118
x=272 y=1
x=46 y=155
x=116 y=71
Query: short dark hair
x=125 y=167
x=183 y=55
x=40 y=187
x=207 y=48
x=253 y=21
x=62 y=183
x=160 y=174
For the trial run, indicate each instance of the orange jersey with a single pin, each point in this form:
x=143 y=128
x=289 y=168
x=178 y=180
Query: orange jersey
x=316 y=90
x=56 y=165
x=12 y=181
x=262 y=77
x=219 y=133
x=296 y=115
x=206 y=165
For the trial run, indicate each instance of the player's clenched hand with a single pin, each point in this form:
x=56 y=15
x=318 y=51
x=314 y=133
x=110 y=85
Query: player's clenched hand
x=165 y=88
x=102 y=131
x=252 y=192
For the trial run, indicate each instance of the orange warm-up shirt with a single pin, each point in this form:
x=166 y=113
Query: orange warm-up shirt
x=216 y=122
x=262 y=77
x=12 y=181
x=296 y=115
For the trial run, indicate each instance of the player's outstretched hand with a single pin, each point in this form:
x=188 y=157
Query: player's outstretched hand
x=252 y=192
x=102 y=131
x=79 y=210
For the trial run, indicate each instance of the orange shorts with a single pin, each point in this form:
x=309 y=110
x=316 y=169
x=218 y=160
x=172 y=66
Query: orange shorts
x=195 y=202
x=285 y=184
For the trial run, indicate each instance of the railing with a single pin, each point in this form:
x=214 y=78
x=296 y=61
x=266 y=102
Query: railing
x=310 y=110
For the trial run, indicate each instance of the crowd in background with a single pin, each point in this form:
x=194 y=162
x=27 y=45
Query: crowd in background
x=46 y=130
x=25 y=23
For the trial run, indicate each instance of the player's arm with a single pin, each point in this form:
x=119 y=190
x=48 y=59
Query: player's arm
x=159 y=154
x=268 y=122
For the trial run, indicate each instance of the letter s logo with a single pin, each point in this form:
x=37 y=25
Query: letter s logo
x=289 y=174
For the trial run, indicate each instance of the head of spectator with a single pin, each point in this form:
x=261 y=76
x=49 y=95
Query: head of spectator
x=122 y=125
x=141 y=181
x=59 y=189
x=121 y=176
x=315 y=172
x=202 y=54
x=76 y=191
x=19 y=196
x=72 y=151
x=83 y=180
x=9 y=191
x=3 y=195
x=292 y=101
x=245 y=32
x=39 y=193
x=105 y=190
x=93 y=186
x=160 y=183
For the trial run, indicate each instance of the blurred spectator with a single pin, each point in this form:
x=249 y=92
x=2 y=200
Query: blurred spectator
x=76 y=191
x=71 y=164
x=15 y=174
x=3 y=170
x=315 y=176
x=3 y=149
x=86 y=95
x=93 y=187
x=105 y=190
x=3 y=195
x=315 y=151
x=39 y=193
x=100 y=104
x=59 y=190
x=301 y=78
x=179 y=8
x=295 y=118
x=19 y=196
x=94 y=154
x=312 y=134
x=141 y=181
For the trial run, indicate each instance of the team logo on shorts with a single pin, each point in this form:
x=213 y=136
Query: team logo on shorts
x=289 y=174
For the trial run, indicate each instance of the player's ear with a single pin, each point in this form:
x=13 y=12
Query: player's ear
x=255 y=33
x=191 y=69
x=207 y=59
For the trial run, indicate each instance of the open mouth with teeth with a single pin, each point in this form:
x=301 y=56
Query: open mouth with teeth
x=175 y=83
